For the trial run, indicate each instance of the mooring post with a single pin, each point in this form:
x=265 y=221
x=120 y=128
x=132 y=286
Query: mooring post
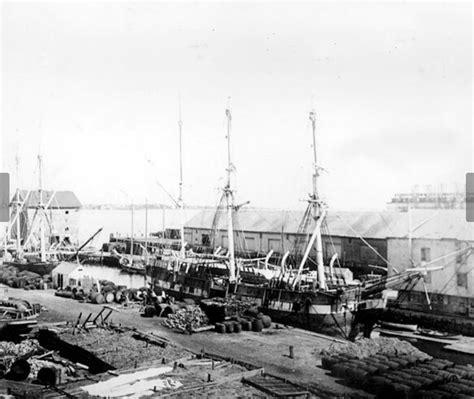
x=292 y=353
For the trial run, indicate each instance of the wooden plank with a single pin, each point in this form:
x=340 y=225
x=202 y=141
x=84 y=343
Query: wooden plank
x=225 y=380
x=275 y=386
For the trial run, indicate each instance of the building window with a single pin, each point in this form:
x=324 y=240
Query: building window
x=206 y=240
x=425 y=255
x=461 y=279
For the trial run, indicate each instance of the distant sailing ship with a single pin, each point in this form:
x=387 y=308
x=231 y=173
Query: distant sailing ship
x=322 y=299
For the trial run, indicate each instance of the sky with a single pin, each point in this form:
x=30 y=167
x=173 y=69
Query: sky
x=95 y=88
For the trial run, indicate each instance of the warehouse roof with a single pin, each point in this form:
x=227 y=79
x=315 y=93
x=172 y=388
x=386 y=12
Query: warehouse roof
x=65 y=268
x=60 y=200
x=425 y=223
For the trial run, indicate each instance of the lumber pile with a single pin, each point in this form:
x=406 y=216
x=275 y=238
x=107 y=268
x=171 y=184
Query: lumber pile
x=186 y=319
x=28 y=346
x=10 y=352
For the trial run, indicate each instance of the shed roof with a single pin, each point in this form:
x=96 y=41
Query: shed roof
x=369 y=224
x=65 y=268
x=61 y=199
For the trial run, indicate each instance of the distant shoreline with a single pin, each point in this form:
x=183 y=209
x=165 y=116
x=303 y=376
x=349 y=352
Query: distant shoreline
x=118 y=207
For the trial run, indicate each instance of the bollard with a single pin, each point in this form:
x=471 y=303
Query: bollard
x=212 y=364
x=292 y=354
x=209 y=379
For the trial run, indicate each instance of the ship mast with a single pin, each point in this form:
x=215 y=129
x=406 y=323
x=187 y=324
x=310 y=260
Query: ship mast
x=131 y=228
x=180 y=198
x=42 y=210
x=18 y=206
x=230 y=205
x=319 y=213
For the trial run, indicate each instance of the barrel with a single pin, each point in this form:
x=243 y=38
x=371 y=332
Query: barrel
x=266 y=321
x=220 y=328
x=19 y=371
x=257 y=325
x=47 y=376
x=246 y=325
x=108 y=288
x=229 y=326
x=109 y=297
x=237 y=327
x=118 y=296
x=149 y=311
x=97 y=297
x=79 y=296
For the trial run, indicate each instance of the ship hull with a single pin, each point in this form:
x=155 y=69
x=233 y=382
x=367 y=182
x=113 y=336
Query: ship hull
x=332 y=314
x=41 y=268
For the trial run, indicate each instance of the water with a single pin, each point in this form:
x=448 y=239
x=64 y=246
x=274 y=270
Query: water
x=119 y=277
x=119 y=222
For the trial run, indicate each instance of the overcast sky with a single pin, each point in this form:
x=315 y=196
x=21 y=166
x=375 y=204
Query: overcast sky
x=94 y=87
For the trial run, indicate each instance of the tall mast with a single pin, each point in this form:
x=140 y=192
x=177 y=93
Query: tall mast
x=42 y=211
x=312 y=118
x=230 y=205
x=18 y=205
x=318 y=208
x=318 y=215
x=131 y=238
x=146 y=230
x=180 y=198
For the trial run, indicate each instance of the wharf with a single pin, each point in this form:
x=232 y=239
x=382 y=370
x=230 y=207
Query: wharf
x=268 y=349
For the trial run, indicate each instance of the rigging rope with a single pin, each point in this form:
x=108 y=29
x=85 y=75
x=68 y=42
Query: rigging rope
x=366 y=243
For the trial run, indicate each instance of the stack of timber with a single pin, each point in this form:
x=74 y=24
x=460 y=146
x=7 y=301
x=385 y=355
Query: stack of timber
x=189 y=319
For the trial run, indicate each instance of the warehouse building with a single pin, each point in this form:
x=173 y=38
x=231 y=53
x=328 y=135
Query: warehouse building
x=433 y=234
x=266 y=230
x=443 y=240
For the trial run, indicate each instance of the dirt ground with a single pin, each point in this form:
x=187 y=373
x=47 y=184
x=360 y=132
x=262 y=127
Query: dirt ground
x=268 y=349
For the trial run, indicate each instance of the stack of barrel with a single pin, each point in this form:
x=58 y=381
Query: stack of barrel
x=11 y=276
x=109 y=292
x=403 y=376
x=251 y=320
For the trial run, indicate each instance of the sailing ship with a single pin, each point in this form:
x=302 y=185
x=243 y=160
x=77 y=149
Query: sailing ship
x=321 y=299
x=27 y=243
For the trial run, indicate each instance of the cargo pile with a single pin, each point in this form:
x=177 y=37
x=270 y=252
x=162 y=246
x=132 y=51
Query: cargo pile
x=11 y=276
x=218 y=309
x=389 y=368
x=10 y=350
x=244 y=323
x=187 y=319
x=109 y=293
x=377 y=346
